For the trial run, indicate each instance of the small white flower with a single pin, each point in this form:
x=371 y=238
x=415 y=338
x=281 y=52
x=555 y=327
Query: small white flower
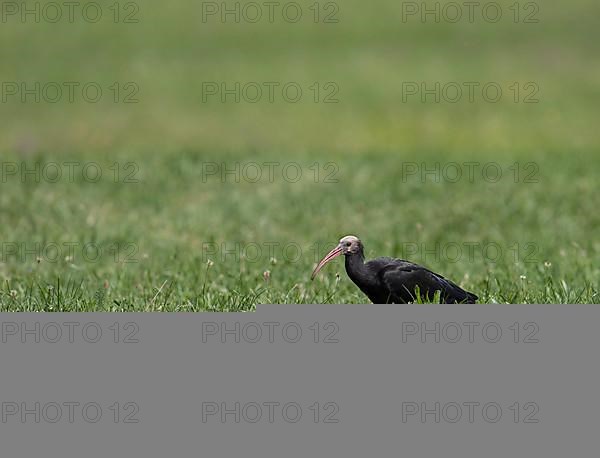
x=523 y=277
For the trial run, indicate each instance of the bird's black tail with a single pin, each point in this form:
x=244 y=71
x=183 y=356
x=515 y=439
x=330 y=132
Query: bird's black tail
x=454 y=294
x=471 y=298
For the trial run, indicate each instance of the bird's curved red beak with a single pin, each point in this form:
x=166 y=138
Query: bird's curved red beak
x=332 y=254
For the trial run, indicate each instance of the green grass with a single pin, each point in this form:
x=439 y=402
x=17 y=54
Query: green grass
x=171 y=224
x=163 y=223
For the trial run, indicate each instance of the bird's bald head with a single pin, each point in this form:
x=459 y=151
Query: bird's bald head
x=350 y=244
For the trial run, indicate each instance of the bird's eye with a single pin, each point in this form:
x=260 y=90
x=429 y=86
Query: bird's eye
x=348 y=244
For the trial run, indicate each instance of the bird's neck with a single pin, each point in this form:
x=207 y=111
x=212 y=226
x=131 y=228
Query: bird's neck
x=357 y=270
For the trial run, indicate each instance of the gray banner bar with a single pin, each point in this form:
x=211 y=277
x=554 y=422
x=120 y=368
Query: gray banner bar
x=304 y=381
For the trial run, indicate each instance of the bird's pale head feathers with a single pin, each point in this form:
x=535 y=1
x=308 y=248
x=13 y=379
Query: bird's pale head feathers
x=350 y=244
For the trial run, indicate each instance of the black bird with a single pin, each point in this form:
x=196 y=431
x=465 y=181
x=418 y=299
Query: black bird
x=393 y=281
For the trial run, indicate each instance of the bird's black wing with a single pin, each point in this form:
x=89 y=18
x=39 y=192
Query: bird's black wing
x=402 y=278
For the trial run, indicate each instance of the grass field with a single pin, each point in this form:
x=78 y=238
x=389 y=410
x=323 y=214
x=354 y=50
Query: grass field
x=180 y=221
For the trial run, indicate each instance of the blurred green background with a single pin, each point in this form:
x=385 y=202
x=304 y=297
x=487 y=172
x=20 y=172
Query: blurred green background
x=367 y=54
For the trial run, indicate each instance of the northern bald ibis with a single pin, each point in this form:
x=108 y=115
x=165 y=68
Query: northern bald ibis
x=393 y=281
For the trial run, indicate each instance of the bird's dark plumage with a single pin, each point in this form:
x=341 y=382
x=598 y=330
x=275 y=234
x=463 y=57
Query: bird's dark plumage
x=389 y=280
x=396 y=281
